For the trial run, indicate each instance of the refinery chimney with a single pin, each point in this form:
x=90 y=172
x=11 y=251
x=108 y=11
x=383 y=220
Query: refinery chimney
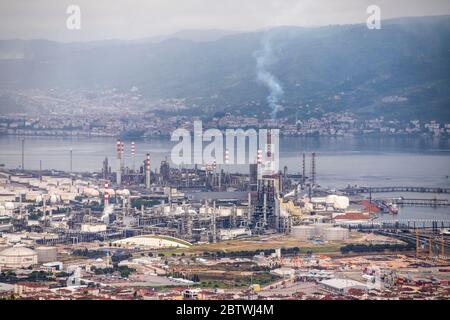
x=313 y=168
x=71 y=160
x=147 y=171
x=259 y=164
x=122 y=157
x=106 y=195
x=269 y=164
x=249 y=214
x=214 y=227
x=23 y=154
x=304 y=169
x=265 y=208
x=133 y=154
x=119 y=163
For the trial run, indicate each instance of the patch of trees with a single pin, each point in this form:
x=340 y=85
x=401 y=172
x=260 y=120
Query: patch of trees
x=137 y=203
x=39 y=276
x=120 y=256
x=8 y=277
x=243 y=253
x=251 y=253
x=95 y=206
x=290 y=251
x=62 y=274
x=99 y=271
x=35 y=215
x=35 y=276
x=124 y=271
x=376 y=247
x=91 y=254
x=260 y=268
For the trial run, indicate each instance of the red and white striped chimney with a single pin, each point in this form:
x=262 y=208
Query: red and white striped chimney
x=227 y=157
x=147 y=171
x=259 y=160
x=133 y=154
x=106 y=195
x=259 y=157
x=119 y=163
x=122 y=158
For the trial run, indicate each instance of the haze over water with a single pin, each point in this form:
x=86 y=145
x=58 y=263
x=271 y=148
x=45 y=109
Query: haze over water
x=340 y=161
x=393 y=161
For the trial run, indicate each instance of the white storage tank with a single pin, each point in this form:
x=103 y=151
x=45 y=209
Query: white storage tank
x=342 y=202
x=93 y=227
x=331 y=199
x=17 y=257
x=91 y=192
x=54 y=198
x=335 y=234
x=225 y=211
x=124 y=192
x=302 y=232
x=47 y=254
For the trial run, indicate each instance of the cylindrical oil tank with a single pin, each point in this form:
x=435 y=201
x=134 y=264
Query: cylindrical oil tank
x=17 y=257
x=47 y=254
x=342 y=202
x=302 y=232
x=335 y=234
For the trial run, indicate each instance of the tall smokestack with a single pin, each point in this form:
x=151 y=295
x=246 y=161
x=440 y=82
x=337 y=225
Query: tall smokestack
x=214 y=166
x=259 y=163
x=313 y=168
x=227 y=157
x=259 y=157
x=71 y=158
x=122 y=157
x=265 y=208
x=44 y=206
x=269 y=161
x=119 y=163
x=147 y=171
x=133 y=154
x=106 y=195
x=214 y=230
x=23 y=154
x=249 y=214
x=304 y=169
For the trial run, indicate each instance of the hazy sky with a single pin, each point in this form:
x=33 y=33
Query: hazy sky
x=127 y=19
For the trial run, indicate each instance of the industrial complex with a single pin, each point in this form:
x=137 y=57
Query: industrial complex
x=142 y=230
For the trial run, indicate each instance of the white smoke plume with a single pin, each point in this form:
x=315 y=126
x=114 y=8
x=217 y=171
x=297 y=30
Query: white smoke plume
x=264 y=58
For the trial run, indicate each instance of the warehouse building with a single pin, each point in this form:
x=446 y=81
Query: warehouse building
x=342 y=286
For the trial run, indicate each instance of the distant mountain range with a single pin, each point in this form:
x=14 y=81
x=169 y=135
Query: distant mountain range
x=401 y=71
